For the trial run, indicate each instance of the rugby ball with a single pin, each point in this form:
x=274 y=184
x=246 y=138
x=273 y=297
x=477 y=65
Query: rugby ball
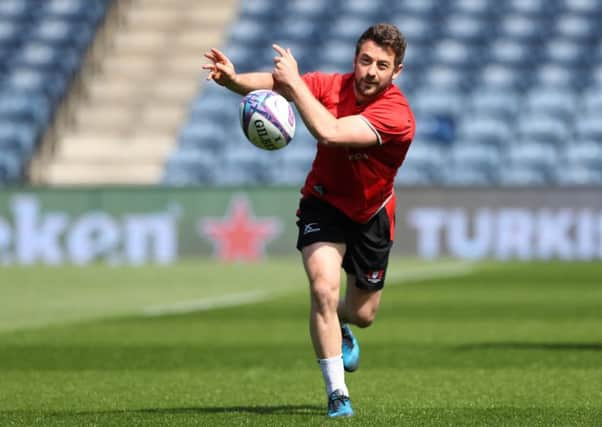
x=267 y=119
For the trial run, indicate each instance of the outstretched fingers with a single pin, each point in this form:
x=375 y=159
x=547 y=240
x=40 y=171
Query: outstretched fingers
x=216 y=56
x=218 y=53
x=279 y=49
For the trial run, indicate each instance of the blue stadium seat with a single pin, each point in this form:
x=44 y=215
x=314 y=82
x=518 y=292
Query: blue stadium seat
x=429 y=8
x=186 y=167
x=466 y=29
x=19 y=138
x=439 y=129
x=214 y=104
x=16 y=10
x=484 y=129
x=495 y=102
x=416 y=29
x=595 y=77
x=541 y=127
x=478 y=9
x=43 y=57
x=417 y=58
x=560 y=103
x=591 y=102
x=501 y=77
x=368 y=9
x=317 y=9
x=460 y=176
x=51 y=83
x=589 y=127
x=553 y=74
x=10 y=167
x=564 y=52
x=452 y=52
x=540 y=157
x=582 y=7
x=439 y=101
x=578 y=28
x=512 y=53
x=445 y=77
x=585 y=153
x=10 y=34
x=336 y=56
x=260 y=9
x=413 y=175
x=294 y=162
x=299 y=30
x=521 y=175
x=579 y=174
x=202 y=137
x=249 y=162
x=62 y=32
x=248 y=32
x=347 y=28
x=522 y=28
x=428 y=157
x=89 y=11
x=469 y=161
x=530 y=8
x=25 y=108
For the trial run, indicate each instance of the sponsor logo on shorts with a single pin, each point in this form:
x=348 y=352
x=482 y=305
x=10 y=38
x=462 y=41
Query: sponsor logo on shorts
x=311 y=227
x=375 y=276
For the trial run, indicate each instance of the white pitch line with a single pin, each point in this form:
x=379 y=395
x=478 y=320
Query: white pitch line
x=428 y=272
x=231 y=300
x=205 y=304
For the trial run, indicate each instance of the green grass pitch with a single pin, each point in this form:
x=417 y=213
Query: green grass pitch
x=208 y=344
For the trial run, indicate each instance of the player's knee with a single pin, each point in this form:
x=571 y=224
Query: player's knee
x=364 y=317
x=325 y=295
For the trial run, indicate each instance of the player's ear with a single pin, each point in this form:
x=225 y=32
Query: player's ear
x=397 y=71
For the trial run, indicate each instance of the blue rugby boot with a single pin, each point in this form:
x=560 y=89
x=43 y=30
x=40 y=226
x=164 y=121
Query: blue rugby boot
x=339 y=405
x=351 y=349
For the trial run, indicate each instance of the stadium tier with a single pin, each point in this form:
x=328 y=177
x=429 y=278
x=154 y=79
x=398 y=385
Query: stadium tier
x=42 y=46
x=505 y=92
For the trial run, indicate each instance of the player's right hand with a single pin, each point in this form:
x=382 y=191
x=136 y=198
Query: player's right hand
x=221 y=69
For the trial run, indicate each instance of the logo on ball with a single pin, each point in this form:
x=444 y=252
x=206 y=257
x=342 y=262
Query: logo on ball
x=267 y=119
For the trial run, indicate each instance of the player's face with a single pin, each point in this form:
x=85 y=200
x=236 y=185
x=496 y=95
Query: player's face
x=374 y=70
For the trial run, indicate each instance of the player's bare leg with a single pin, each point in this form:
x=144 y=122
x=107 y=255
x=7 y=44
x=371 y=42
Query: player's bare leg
x=322 y=263
x=358 y=307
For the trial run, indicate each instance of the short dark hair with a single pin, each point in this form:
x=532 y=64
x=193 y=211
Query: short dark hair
x=385 y=35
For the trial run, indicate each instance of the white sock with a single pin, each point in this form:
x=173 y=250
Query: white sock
x=334 y=374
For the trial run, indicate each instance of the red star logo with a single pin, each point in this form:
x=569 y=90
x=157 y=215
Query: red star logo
x=239 y=236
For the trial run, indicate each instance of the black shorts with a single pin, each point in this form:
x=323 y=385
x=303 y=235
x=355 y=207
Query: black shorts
x=368 y=245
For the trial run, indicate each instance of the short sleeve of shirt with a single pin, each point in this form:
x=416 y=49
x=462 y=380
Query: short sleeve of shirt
x=392 y=118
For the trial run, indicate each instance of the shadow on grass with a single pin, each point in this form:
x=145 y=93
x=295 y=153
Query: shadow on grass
x=258 y=410
x=532 y=346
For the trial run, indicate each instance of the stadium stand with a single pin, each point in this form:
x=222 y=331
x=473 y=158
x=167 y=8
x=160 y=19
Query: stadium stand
x=42 y=47
x=506 y=92
x=501 y=89
x=93 y=91
x=136 y=99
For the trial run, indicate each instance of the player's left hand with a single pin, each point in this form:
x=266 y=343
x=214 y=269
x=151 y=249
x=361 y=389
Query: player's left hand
x=286 y=71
